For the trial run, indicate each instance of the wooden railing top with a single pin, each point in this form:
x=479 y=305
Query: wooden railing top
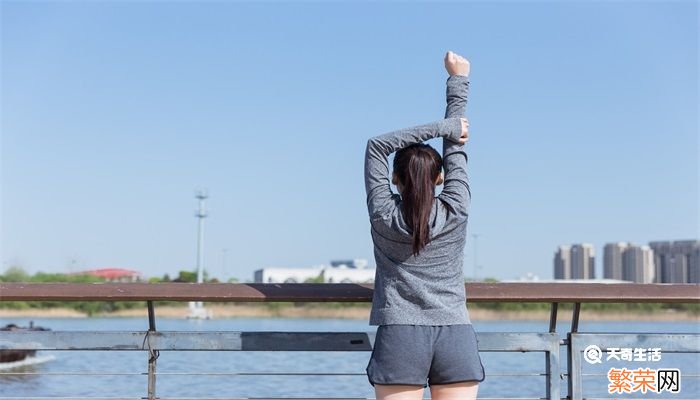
x=347 y=292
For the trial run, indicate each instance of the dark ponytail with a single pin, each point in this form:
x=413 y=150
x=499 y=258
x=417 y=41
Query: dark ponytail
x=417 y=167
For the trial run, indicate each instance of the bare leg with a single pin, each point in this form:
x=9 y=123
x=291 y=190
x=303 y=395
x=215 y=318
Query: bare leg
x=398 y=392
x=454 y=391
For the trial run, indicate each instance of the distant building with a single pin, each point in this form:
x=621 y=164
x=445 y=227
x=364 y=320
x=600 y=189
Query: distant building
x=638 y=264
x=339 y=271
x=528 y=277
x=348 y=275
x=286 y=275
x=612 y=260
x=662 y=259
x=677 y=261
x=562 y=263
x=649 y=267
x=113 y=274
x=628 y=262
x=574 y=262
x=694 y=266
x=682 y=266
x=582 y=261
x=358 y=263
x=596 y=280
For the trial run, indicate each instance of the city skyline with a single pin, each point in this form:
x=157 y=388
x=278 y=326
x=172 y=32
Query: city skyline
x=115 y=112
x=668 y=261
x=630 y=262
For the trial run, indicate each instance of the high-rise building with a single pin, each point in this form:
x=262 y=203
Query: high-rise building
x=574 y=262
x=649 y=267
x=676 y=261
x=682 y=265
x=694 y=266
x=582 y=261
x=562 y=263
x=638 y=264
x=612 y=260
x=662 y=259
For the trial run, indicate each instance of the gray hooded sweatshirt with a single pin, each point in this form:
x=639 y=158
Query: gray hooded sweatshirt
x=427 y=289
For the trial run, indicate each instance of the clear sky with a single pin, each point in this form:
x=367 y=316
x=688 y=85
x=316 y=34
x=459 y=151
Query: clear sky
x=583 y=128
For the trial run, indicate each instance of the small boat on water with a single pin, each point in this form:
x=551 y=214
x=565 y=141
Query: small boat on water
x=11 y=358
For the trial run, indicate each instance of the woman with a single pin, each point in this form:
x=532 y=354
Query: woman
x=419 y=304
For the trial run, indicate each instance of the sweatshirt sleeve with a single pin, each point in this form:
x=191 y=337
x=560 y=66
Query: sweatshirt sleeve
x=456 y=192
x=377 y=180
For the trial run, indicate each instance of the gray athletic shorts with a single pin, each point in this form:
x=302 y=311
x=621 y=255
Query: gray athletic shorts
x=424 y=354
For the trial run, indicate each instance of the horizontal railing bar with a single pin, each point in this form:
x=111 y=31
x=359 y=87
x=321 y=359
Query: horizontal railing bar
x=262 y=398
x=71 y=398
x=189 y=398
x=347 y=292
x=182 y=340
x=186 y=398
x=251 y=398
x=245 y=341
x=257 y=398
x=81 y=373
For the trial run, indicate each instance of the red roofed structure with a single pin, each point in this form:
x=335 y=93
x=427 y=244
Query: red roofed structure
x=114 y=274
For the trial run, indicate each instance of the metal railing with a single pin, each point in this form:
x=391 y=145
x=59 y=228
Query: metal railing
x=153 y=341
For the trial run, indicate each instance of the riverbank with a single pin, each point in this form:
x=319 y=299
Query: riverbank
x=361 y=313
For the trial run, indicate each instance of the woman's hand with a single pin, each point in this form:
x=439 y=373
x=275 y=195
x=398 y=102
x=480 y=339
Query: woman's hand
x=465 y=131
x=456 y=64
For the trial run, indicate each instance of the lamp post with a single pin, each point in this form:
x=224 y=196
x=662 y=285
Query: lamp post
x=197 y=308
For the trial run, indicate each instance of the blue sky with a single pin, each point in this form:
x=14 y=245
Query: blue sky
x=583 y=127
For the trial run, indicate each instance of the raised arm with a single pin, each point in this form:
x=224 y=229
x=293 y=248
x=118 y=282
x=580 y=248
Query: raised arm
x=377 y=181
x=457 y=91
x=456 y=192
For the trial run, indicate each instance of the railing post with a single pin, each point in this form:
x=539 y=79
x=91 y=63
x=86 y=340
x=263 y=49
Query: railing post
x=551 y=360
x=573 y=355
x=553 y=389
x=553 y=318
x=574 y=317
x=152 y=354
x=573 y=358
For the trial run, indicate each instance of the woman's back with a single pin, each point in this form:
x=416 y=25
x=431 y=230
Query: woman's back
x=423 y=289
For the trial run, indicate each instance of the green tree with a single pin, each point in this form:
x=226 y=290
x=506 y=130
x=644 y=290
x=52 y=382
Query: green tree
x=191 y=276
x=318 y=279
x=15 y=274
x=187 y=276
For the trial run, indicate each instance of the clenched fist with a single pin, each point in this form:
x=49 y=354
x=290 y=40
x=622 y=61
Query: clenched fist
x=456 y=64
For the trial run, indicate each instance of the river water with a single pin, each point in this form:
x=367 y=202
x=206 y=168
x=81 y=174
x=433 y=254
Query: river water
x=88 y=363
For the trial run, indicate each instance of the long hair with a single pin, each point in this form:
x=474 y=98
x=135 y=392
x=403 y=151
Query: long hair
x=417 y=167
